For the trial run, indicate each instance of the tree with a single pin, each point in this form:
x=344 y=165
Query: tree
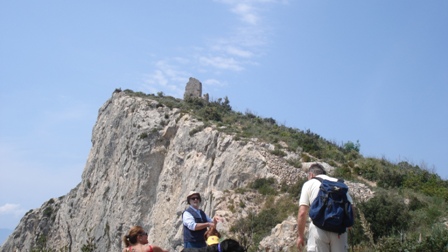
x=349 y=146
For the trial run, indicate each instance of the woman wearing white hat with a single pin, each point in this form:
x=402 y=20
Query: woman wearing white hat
x=195 y=222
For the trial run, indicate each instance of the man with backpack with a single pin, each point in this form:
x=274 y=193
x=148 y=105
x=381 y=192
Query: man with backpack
x=326 y=201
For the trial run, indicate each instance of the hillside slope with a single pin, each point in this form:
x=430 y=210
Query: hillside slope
x=143 y=161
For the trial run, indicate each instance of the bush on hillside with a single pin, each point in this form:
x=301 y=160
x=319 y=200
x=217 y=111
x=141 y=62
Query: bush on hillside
x=265 y=186
x=386 y=214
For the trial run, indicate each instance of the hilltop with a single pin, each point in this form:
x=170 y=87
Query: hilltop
x=149 y=150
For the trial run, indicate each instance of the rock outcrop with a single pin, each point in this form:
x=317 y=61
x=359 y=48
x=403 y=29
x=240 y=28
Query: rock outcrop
x=144 y=159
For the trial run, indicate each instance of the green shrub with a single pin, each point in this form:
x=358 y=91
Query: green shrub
x=40 y=244
x=143 y=135
x=257 y=226
x=350 y=146
x=295 y=162
x=435 y=240
x=265 y=186
x=90 y=245
x=295 y=189
x=386 y=214
x=196 y=130
x=305 y=158
x=343 y=172
x=48 y=211
x=415 y=203
x=278 y=152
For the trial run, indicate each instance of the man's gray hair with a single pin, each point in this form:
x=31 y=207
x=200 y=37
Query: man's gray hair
x=317 y=169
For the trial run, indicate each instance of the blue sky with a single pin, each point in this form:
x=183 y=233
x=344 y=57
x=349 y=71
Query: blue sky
x=373 y=71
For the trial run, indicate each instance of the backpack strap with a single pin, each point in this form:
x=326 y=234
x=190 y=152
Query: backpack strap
x=321 y=179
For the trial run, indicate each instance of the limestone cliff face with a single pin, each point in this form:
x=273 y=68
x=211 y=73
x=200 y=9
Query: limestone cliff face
x=145 y=158
x=143 y=161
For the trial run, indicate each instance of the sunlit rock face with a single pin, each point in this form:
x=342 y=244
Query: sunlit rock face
x=145 y=158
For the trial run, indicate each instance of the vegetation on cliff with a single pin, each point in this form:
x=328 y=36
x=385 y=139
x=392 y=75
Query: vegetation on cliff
x=408 y=212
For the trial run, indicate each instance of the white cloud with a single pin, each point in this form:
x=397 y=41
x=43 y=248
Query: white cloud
x=221 y=63
x=167 y=78
x=11 y=209
x=158 y=77
x=169 y=70
x=10 y=215
x=216 y=56
x=213 y=82
x=246 y=12
x=239 y=52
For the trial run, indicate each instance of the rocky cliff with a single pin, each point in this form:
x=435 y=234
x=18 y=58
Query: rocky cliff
x=144 y=159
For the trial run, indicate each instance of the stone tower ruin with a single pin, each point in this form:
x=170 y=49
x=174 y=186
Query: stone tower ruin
x=193 y=89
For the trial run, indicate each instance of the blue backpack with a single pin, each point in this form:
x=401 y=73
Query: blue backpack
x=331 y=209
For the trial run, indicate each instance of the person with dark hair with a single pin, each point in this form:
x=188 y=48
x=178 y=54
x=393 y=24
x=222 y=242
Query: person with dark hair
x=318 y=239
x=137 y=241
x=195 y=222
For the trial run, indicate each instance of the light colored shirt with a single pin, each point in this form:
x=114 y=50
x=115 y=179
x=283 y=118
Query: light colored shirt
x=188 y=219
x=311 y=188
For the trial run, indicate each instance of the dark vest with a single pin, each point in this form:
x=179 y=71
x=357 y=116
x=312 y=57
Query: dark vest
x=198 y=235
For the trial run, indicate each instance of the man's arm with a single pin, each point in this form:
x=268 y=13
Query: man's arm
x=350 y=199
x=200 y=226
x=188 y=221
x=302 y=217
x=354 y=215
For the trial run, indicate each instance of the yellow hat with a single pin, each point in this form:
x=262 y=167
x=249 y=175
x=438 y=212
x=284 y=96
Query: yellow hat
x=211 y=240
